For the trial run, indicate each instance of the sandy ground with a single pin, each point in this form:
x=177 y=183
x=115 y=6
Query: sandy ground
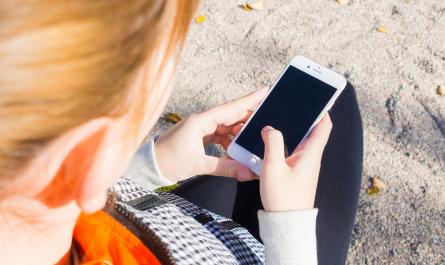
x=396 y=76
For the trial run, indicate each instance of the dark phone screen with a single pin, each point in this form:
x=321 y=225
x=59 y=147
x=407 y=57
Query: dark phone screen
x=292 y=107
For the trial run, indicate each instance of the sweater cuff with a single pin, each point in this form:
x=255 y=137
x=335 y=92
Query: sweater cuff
x=289 y=237
x=144 y=169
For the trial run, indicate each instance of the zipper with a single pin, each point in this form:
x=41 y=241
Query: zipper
x=146 y=202
x=128 y=219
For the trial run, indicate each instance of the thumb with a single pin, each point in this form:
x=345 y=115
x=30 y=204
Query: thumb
x=274 y=146
x=227 y=168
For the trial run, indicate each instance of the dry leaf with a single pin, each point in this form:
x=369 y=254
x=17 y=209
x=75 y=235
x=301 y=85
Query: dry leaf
x=254 y=6
x=441 y=90
x=200 y=19
x=377 y=185
x=257 y=5
x=343 y=2
x=247 y=8
x=173 y=117
x=383 y=30
x=373 y=191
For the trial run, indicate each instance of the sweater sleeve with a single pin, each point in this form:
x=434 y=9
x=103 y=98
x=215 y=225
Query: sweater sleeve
x=289 y=237
x=144 y=170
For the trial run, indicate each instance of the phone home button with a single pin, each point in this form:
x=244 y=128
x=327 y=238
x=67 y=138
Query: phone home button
x=251 y=162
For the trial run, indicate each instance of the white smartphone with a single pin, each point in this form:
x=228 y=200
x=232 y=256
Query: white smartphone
x=295 y=104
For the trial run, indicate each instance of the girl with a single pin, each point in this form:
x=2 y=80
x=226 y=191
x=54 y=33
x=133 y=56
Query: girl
x=81 y=85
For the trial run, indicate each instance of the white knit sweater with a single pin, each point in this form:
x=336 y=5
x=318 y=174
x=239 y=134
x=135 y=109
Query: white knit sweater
x=289 y=237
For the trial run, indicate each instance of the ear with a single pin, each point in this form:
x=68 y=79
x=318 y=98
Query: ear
x=84 y=163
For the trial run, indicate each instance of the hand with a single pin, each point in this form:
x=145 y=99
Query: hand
x=180 y=151
x=289 y=184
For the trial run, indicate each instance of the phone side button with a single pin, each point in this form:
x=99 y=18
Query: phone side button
x=251 y=162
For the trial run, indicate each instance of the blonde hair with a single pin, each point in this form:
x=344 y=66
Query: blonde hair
x=63 y=63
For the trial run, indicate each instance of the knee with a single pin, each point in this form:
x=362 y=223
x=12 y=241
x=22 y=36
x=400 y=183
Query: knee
x=350 y=89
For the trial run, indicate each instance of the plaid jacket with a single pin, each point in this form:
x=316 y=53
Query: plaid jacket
x=179 y=232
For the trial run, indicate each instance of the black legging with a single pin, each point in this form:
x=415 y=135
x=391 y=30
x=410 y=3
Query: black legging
x=337 y=192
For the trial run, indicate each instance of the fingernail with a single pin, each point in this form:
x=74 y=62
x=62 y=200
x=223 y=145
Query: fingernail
x=265 y=129
x=244 y=175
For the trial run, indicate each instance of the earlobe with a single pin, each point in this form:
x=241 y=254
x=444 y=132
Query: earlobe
x=103 y=158
x=86 y=162
x=79 y=163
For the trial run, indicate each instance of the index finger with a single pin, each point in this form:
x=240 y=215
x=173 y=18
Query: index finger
x=225 y=113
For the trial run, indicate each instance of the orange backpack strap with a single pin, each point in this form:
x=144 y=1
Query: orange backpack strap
x=103 y=240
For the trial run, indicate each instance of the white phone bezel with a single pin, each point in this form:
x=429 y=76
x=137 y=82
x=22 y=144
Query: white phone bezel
x=310 y=67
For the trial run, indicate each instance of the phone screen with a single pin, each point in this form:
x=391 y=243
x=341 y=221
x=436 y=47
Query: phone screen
x=291 y=107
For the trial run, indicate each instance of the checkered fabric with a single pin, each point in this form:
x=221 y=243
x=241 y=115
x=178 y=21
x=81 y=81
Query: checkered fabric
x=245 y=248
x=243 y=234
x=128 y=190
x=189 y=241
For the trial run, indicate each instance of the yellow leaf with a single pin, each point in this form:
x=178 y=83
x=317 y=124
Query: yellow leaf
x=200 y=19
x=441 y=90
x=173 y=117
x=247 y=8
x=343 y=2
x=377 y=186
x=373 y=191
x=383 y=30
